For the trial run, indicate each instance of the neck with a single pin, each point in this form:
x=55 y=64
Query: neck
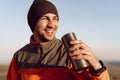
x=37 y=39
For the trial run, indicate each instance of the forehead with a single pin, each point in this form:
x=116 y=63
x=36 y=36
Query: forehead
x=49 y=15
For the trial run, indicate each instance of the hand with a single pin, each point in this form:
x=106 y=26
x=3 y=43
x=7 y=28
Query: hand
x=80 y=50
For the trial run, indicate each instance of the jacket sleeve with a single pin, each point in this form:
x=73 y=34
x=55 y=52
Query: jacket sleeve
x=12 y=73
x=103 y=76
x=87 y=76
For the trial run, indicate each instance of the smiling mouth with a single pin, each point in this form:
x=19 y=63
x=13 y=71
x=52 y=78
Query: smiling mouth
x=49 y=30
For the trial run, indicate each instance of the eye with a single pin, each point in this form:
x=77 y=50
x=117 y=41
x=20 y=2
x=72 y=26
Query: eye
x=56 y=18
x=44 y=18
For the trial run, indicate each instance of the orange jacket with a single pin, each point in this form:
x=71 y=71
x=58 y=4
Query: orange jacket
x=50 y=74
x=48 y=62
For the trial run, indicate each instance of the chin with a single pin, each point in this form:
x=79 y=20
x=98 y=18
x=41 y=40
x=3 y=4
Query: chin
x=47 y=38
x=50 y=38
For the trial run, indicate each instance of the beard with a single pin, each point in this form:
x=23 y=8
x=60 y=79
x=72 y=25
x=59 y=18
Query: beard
x=45 y=37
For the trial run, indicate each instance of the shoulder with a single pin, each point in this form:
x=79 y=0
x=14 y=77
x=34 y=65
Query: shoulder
x=24 y=52
x=59 y=43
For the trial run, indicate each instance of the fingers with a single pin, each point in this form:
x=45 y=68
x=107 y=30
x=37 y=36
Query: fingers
x=79 y=54
x=79 y=50
x=78 y=44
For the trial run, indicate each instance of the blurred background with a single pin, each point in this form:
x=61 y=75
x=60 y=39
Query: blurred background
x=96 y=22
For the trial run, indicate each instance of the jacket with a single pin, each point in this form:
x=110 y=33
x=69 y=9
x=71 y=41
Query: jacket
x=46 y=62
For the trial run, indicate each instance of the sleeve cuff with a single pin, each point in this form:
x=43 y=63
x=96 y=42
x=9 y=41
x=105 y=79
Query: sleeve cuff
x=99 y=71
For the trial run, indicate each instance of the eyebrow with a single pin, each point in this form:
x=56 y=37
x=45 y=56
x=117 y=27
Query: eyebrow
x=53 y=16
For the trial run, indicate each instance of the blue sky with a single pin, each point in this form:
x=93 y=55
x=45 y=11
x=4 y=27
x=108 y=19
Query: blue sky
x=96 y=22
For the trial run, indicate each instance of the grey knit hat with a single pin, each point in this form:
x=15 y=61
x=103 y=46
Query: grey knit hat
x=38 y=9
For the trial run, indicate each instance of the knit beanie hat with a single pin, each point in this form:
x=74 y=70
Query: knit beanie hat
x=38 y=9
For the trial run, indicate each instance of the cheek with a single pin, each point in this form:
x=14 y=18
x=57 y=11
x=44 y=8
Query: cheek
x=37 y=27
x=56 y=24
x=40 y=26
x=57 y=27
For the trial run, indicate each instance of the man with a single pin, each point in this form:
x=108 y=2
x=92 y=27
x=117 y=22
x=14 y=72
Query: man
x=45 y=57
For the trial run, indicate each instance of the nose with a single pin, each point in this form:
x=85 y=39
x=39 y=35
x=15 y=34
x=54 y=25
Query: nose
x=51 y=23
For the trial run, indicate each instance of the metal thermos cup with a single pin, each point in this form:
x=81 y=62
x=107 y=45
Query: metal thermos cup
x=78 y=65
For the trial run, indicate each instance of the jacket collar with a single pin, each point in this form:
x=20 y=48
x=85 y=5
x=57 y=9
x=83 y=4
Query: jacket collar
x=32 y=40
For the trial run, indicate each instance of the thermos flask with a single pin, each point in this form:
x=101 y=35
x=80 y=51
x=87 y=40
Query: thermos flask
x=78 y=65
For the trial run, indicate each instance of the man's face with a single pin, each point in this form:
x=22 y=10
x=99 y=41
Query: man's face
x=46 y=27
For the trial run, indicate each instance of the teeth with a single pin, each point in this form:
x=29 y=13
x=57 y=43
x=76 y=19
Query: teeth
x=49 y=30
